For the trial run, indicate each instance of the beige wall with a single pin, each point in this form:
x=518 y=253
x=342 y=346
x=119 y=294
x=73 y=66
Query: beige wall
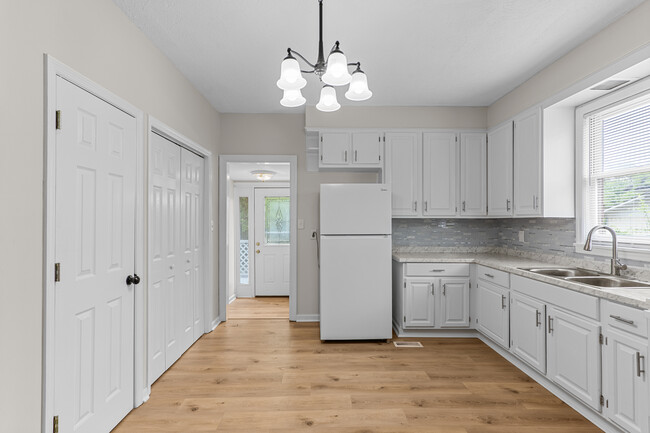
x=284 y=134
x=624 y=36
x=98 y=41
x=398 y=117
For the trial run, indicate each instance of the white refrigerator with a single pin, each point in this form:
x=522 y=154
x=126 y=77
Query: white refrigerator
x=355 y=262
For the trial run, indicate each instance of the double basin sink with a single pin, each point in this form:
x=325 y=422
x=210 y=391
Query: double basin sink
x=589 y=278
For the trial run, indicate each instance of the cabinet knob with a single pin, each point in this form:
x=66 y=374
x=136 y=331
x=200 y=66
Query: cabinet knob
x=257 y=251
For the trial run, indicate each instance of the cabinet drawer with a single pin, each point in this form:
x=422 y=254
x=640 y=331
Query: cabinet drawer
x=437 y=269
x=625 y=318
x=494 y=276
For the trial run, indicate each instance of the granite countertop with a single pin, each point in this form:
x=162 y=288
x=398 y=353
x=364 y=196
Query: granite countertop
x=638 y=298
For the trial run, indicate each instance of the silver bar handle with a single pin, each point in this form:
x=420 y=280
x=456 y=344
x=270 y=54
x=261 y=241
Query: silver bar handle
x=355 y=156
x=444 y=290
x=433 y=292
x=534 y=201
x=437 y=270
x=489 y=275
x=463 y=205
x=415 y=206
x=550 y=325
x=538 y=318
x=503 y=301
x=508 y=204
x=620 y=319
x=639 y=358
x=426 y=205
x=346 y=156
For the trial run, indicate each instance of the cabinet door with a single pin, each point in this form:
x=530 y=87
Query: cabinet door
x=499 y=171
x=528 y=330
x=493 y=313
x=419 y=303
x=625 y=384
x=528 y=164
x=574 y=355
x=334 y=148
x=440 y=161
x=473 y=174
x=454 y=302
x=367 y=149
x=404 y=172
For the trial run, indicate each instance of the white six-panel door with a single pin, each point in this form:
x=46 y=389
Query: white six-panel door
x=272 y=258
x=95 y=244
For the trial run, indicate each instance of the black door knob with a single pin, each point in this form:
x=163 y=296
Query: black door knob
x=132 y=279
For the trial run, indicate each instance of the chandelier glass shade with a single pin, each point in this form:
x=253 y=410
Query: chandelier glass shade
x=333 y=72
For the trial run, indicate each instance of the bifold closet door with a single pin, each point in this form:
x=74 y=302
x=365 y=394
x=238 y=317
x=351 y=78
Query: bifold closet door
x=191 y=297
x=176 y=253
x=164 y=247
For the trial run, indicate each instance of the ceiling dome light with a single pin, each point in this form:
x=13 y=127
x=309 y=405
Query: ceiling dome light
x=358 y=90
x=292 y=98
x=337 y=73
x=263 y=175
x=328 y=100
x=290 y=75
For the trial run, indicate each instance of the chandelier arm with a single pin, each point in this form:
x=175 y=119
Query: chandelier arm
x=302 y=57
x=308 y=72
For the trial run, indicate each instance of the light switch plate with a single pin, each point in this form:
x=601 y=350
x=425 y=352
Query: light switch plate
x=301 y=224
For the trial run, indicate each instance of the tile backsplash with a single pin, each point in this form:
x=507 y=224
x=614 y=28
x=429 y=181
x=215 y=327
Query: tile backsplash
x=542 y=236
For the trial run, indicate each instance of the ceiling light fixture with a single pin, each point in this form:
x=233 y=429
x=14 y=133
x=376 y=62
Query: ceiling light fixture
x=263 y=175
x=333 y=72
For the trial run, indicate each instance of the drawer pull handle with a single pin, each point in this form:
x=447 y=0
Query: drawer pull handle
x=503 y=301
x=538 y=318
x=550 y=325
x=437 y=270
x=620 y=319
x=489 y=275
x=639 y=359
x=444 y=290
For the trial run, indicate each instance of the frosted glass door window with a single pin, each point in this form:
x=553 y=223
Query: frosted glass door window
x=243 y=241
x=276 y=220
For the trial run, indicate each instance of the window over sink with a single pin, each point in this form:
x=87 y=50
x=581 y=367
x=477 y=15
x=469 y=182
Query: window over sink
x=614 y=139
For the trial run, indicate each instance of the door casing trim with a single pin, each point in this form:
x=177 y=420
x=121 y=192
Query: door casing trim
x=293 y=252
x=53 y=69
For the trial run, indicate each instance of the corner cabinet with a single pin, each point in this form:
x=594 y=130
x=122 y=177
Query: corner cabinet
x=473 y=174
x=429 y=296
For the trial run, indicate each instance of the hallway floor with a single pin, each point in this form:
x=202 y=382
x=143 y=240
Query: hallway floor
x=261 y=307
x=272 y=376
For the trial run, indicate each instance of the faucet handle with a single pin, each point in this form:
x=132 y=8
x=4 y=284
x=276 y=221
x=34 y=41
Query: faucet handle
x=620 y=266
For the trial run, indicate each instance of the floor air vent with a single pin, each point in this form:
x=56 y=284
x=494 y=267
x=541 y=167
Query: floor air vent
x=407 y=344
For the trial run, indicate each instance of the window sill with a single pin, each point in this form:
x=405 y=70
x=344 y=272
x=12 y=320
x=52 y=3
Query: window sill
x=639 y=254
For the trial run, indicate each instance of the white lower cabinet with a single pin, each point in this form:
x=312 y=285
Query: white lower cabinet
x=419 y=303
x=423 y=301
x=494 y=313
x=528 y=330
x=573 y=345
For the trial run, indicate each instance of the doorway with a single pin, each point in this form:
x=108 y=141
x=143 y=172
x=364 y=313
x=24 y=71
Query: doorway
x=257 y=237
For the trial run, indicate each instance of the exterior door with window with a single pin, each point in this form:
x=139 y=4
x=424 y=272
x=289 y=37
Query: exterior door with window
x=272 y=240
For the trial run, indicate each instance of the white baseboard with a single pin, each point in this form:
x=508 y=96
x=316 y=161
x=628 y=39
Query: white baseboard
x=214 y=324
x=307 y=317
x=433 y=333
x=232 y=298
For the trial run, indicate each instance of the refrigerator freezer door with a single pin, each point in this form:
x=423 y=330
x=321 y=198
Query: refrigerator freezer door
x=351 y=208
x=355 y=288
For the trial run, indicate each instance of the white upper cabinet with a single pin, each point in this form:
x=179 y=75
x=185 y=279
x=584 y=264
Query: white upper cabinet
x=439 y=168
x=404 y=172
x=499 y=171
x=367 y=148
x=334 y=148
x=528 y=164
x=473 y=174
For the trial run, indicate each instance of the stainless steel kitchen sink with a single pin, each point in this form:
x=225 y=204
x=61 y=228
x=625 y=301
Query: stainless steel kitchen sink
x=563 y=272
x=609 y=282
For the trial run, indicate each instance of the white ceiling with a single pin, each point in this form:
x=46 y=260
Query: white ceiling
x=241 y=171
x=415 y=52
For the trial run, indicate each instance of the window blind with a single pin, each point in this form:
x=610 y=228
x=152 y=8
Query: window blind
x=617 y=164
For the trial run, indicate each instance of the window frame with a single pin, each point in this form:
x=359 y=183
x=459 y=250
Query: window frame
x=602 y=248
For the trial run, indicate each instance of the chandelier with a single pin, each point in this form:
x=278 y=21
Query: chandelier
x=333 y=72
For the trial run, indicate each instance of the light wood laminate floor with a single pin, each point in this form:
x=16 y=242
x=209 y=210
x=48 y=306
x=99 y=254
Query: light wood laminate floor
x=261 y=307
x=272 y=376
